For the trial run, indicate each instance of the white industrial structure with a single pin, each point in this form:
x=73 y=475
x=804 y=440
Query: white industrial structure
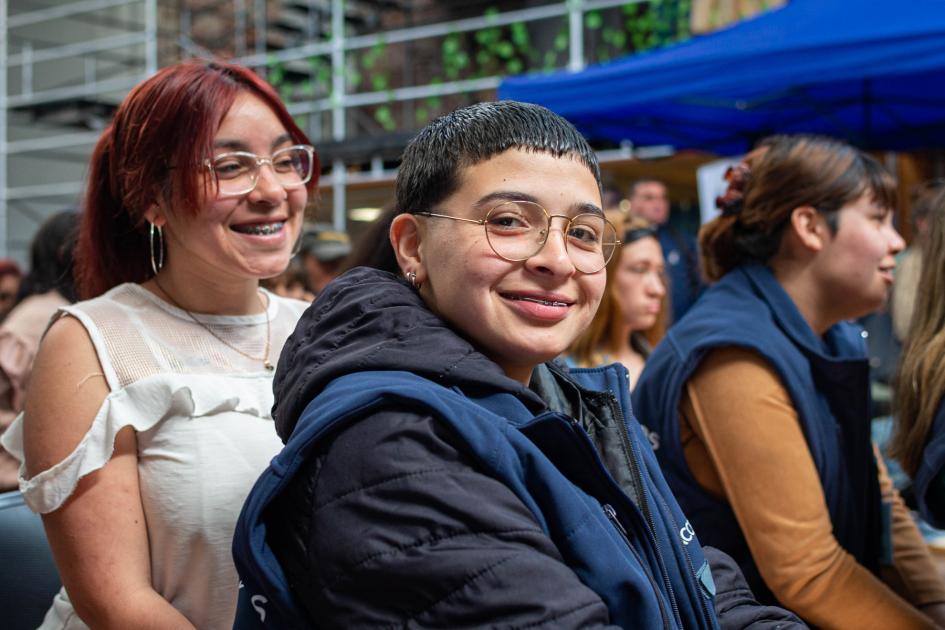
x=65 y=64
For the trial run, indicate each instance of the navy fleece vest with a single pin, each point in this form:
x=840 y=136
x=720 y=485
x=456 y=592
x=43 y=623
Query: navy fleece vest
x=655 y=577
x=827 y=380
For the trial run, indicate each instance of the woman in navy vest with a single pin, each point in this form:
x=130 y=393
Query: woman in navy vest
x=760 y=394
x=919 y=442
x=438 y=472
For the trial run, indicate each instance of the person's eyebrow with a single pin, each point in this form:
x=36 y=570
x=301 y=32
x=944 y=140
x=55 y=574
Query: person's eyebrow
x=587 y=208
x=233 y=145
x=239 y=145
x=495 y=198
x=283 y=139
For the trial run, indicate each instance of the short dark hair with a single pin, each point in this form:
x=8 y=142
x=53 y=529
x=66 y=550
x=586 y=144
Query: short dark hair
x=432 y=164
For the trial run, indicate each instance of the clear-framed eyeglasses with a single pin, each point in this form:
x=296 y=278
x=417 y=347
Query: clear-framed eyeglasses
x=237 y=173
x=517 y=230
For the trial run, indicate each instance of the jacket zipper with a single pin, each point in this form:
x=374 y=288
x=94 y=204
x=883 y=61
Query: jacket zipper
x=697 y=587
x=707 y=615
x=612 y=516
x=585 y=442
x=645 y=509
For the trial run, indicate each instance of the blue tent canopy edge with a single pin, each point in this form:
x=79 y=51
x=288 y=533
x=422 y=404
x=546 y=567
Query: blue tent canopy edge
x=871 y=72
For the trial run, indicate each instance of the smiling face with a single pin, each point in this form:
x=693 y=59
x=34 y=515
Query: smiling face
x=638 y=286
x=519 y=314
x=855 y=266
x=239 y=237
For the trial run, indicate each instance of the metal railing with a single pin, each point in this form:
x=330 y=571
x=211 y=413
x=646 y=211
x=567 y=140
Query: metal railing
x=140 y=45
x=338 y=48
x=340 y=45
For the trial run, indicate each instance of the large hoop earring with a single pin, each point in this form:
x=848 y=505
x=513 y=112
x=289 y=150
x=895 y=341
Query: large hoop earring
x=157 y=262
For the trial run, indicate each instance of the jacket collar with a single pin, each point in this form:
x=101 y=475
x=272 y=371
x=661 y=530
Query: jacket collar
x=370 y=320
x=837 y=344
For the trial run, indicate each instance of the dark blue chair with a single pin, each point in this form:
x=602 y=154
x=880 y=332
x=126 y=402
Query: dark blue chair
x=28 y=578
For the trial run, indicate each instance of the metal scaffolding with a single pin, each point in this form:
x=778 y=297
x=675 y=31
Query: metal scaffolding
x=340 y=45
x=63 y=67
x=40 y=35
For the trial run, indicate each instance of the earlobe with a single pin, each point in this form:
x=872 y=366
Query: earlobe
x=155 y=215
x=405 y=238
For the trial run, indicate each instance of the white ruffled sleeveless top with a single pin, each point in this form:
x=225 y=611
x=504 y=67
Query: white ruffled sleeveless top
x=202 y=415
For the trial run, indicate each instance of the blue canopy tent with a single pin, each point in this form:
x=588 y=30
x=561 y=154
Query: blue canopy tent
x=871 y=71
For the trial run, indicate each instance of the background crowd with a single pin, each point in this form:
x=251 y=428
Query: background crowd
x=523 y=398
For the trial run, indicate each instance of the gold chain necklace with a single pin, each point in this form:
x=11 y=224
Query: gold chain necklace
x=265 y=358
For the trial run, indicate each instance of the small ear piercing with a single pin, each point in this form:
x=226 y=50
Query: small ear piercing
x=412 y=279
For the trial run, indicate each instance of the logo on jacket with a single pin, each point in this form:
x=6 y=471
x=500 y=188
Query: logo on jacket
x=687 y=533
x=257 y=602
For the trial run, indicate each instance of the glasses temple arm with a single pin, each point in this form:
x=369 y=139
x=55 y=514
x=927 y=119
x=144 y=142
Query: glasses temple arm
x=446 y=216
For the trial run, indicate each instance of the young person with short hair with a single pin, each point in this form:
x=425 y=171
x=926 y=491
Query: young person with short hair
x=439 y=470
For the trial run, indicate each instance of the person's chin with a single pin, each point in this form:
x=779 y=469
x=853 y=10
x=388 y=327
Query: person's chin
x=268 y=267
x=644 y=322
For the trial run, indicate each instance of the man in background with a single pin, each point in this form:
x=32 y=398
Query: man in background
x=650 y=200
x=323 y=252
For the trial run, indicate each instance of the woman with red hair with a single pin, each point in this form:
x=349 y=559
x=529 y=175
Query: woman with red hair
x=148 y=415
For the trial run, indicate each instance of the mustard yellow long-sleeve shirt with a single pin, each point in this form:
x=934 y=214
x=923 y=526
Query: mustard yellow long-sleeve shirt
x=744 y=443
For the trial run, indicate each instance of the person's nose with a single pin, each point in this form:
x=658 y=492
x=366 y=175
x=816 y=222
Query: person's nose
x=268 y=188
x=896 y=242
x=553 y=257
x=655 y=284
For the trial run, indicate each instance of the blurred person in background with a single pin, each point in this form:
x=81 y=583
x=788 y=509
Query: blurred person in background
x=323 y=255
x=10 y=276
x=649 y=200
x=47 y=287
x=291 y=283
x=761 y=395
x=632 y=315
x=919 y=440
x=148 y=413
x=909 y=263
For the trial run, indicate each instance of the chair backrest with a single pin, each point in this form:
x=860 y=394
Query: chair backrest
x=28 y=577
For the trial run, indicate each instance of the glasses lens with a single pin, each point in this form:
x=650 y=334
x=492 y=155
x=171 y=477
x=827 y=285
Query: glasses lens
x=292 y=166
x=235 y=172
x=516 y=229
x=591 y=241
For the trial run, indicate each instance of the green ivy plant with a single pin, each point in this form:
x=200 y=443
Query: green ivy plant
x=497 y=50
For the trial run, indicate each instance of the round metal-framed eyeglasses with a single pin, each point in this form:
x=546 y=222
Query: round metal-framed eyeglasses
x=237 y=173
x=517 y=230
